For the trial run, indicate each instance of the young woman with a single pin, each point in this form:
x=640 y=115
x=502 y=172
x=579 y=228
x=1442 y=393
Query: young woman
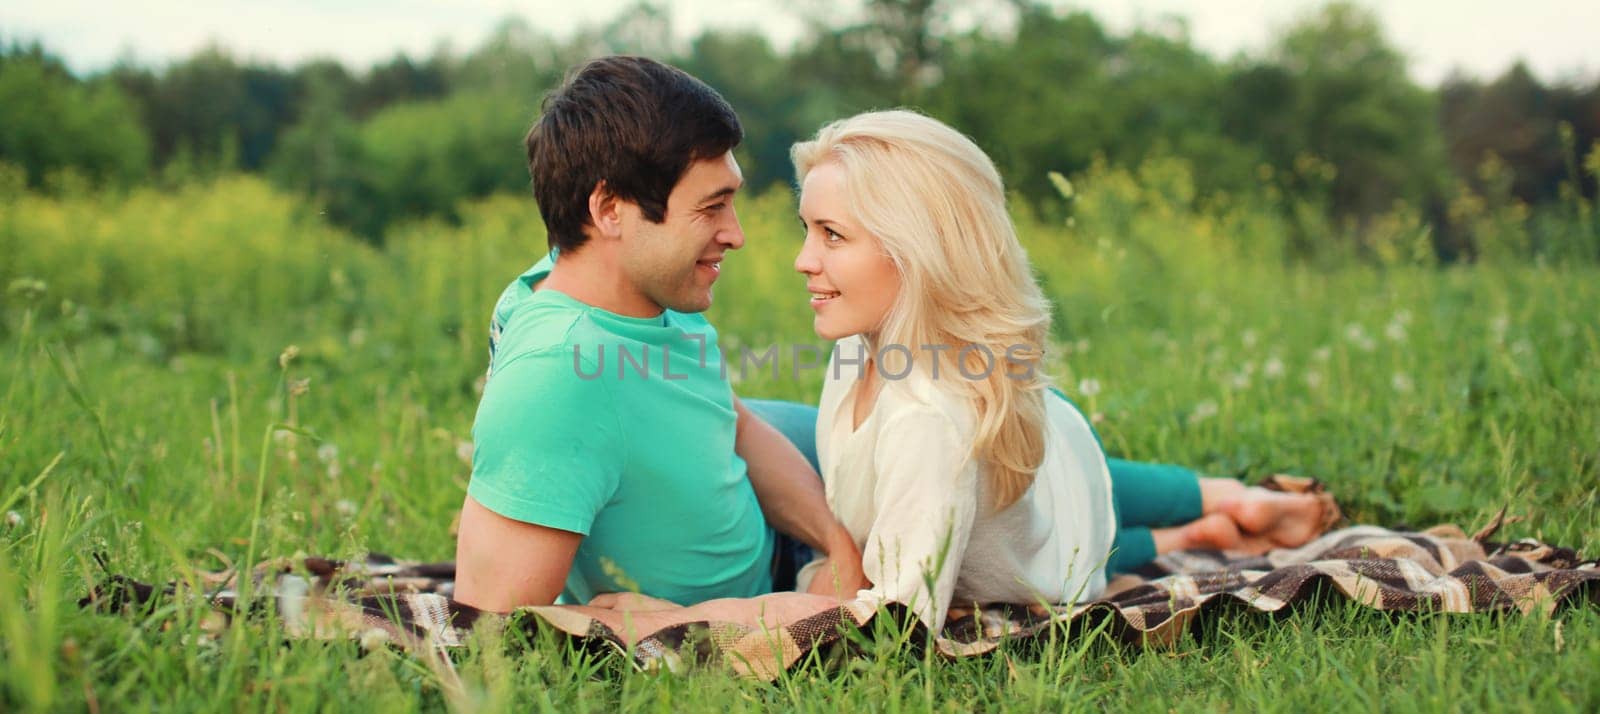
x=960 y=473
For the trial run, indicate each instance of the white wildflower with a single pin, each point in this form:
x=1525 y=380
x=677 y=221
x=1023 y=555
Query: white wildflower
x=345 y=507
x=1403 y=317
x=1089 y=387
x=464 y=451
x=328 y=453
x=1082 y=346
x=1322 y=354
x=13 y=519
x=1401 y=382
x=1396 y=332
x=1355 y=332
x=1204 y=410
x=1273 y=369
x=1239 y=381
x=1248 y=338
x=1314 y=379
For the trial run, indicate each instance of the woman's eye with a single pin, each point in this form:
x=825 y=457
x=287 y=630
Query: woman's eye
x=830 y=236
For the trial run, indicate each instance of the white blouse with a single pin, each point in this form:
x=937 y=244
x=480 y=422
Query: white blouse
x=921 y=510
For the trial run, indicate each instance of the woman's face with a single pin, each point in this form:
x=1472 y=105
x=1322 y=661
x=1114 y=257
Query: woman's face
x=852 y=281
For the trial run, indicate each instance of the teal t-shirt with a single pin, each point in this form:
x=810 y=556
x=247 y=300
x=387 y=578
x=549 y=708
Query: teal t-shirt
x=621 y=429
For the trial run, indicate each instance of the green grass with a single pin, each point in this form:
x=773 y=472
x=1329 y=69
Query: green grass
x=143 y=342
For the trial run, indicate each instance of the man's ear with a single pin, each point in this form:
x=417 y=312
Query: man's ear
x=605 y=211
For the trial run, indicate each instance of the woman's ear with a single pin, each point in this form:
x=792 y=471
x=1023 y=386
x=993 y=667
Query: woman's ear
x=605 y=211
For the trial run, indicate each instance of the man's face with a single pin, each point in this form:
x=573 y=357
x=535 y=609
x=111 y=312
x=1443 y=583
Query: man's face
x=674 y=263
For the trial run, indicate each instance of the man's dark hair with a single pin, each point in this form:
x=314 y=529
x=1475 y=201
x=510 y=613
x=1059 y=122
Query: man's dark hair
x=632 y=122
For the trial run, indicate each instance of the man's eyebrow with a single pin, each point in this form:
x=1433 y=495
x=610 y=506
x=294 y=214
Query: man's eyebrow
x=723 y=192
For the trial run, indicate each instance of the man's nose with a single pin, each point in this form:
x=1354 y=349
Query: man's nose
x=733 y=235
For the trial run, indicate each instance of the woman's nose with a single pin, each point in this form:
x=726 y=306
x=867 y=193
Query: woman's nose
x=806 y=260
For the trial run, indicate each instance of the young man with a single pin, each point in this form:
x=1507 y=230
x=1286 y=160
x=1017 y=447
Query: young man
x=610 y=452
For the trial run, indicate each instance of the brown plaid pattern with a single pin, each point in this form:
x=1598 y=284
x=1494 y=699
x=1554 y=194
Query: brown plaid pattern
x=384 y=601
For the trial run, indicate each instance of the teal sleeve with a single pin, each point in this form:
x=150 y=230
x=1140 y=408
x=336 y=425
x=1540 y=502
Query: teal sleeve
x=547 y=445
x=1154 y=495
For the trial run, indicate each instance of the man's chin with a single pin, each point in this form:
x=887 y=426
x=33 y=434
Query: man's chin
x=699 y=303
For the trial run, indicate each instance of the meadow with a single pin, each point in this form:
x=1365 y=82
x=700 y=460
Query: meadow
x=152 y=338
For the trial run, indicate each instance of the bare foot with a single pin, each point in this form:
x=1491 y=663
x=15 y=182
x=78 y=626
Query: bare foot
x=1287 y=520
x=1215 y=532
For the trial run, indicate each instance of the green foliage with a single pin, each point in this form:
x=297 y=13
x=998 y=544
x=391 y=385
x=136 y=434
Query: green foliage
x=1328 y=114
x=1352 y=105
x=52 y=123
x=410 y=160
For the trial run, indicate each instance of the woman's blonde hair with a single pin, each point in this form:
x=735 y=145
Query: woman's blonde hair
x=937 y=205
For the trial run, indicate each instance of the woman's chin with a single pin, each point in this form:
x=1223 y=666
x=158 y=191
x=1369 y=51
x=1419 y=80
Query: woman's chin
x=824 y=331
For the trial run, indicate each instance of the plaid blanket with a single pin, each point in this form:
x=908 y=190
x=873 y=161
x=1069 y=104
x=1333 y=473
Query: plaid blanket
x=380 y=600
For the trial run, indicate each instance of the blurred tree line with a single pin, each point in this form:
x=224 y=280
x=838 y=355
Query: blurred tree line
x=1328 y=113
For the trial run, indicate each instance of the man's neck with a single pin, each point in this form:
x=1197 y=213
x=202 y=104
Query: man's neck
x=586 y=277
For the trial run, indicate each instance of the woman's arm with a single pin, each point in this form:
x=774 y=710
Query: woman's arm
x=926 y=501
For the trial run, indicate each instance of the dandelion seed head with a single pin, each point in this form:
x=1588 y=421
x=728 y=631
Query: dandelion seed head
x=1089 y=387
x=328 y=453
x=1314 y=379
x=1396 y=331
x=464 y=451
x=1249 y=338
x=1204 y=410
x=345 y=507
x=1322 y=354
x=1401 y=382
x=1273 y=369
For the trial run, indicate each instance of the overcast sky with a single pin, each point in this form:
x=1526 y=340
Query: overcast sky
x=1558 y=38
